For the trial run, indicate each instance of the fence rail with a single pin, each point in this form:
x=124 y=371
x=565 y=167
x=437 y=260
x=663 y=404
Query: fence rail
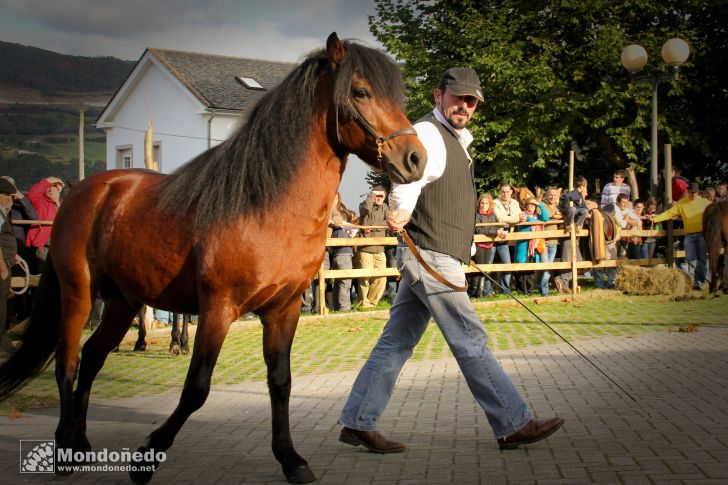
x=511 y=237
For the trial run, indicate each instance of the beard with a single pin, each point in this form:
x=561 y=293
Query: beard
x=457 y=123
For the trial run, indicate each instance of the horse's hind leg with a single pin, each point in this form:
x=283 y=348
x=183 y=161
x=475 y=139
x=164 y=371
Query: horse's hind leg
x=215 y=320
x=174 y=343
x=184 y=336
x=116 y=320
x=76 y=307
x=279 y=328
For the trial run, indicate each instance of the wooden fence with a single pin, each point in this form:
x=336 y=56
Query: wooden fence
x=574 y=266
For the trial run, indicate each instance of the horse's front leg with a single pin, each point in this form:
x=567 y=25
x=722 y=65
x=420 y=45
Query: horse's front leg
x=279 y=327
x=216 y=315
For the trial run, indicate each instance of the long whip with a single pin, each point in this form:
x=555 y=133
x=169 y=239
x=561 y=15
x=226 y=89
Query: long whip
x=579 y=352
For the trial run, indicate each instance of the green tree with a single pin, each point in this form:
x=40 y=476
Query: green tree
x=553 y=81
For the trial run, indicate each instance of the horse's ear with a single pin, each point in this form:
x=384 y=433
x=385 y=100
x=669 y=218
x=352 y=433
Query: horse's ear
x=335 y=49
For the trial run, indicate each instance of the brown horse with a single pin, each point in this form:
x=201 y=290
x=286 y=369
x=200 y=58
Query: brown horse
x=246 y=222
x=715 y=230
x=522 y=194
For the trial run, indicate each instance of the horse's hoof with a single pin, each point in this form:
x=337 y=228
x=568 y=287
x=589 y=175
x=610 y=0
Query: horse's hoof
x=185 y=350
x=300 y=474
x=140 y=477
x=141 y=471
x=174 y=350
x=140 y=347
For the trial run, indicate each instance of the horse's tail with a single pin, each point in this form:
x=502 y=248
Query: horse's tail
x=712 y=231
x=40 y=338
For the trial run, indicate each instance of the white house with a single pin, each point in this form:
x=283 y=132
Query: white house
x=193 y=100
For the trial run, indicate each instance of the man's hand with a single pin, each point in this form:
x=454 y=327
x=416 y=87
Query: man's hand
x=55 y=181
x=397 y=219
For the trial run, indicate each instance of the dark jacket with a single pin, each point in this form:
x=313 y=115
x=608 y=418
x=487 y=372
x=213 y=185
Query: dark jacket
x=490 y=231
x=371 y=214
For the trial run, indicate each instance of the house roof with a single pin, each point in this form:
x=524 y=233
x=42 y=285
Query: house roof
x=212 y=78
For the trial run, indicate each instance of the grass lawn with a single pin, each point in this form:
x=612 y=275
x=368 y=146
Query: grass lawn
x=342 y=342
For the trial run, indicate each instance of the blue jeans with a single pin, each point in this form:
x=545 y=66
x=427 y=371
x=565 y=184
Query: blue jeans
x=648 y=248
x=608 y=274
x=421 y=297
x=548 y=257
x=696 y=253
x=489 y=257
x=504 y=256
x=576 y=215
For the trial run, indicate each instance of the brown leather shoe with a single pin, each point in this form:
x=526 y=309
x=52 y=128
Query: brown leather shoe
x=371 y=440
x=535 y=430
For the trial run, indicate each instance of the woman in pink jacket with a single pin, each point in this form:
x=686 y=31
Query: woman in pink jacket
x=45 y=197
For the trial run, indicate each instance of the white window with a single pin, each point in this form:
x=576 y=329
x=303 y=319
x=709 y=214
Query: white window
x=249 y=83
x=124 y=157
x=157 y=155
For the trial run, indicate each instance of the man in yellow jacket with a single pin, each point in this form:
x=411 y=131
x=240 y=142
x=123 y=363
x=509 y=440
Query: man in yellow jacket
x=690 y=209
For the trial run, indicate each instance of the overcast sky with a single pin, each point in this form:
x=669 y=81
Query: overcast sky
x=284 y=30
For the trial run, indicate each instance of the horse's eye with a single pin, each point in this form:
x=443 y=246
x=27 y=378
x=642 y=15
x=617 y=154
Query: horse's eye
x=361 y=93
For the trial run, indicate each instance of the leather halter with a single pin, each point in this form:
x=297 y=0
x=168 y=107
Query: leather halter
x=380 y=140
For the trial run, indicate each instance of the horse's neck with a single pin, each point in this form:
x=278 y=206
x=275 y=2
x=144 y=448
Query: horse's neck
x=314 y=187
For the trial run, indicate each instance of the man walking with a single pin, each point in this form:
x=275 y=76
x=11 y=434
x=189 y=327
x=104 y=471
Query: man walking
x=438 y=212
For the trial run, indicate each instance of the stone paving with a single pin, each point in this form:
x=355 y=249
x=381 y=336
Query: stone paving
x=675 y=432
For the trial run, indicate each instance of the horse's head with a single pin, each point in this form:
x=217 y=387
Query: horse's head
x=522 y=194
x=367 y=117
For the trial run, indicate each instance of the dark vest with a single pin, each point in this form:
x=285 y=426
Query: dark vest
x=7 y=240
x=444 y=217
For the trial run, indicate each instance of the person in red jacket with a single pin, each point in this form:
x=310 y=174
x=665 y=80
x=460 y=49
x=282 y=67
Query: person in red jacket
x=45 y=197
x=679 y=185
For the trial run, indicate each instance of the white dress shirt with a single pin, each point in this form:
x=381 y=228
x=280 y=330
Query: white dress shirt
x=404 y=196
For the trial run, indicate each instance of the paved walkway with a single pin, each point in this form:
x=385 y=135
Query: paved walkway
x=676 y=432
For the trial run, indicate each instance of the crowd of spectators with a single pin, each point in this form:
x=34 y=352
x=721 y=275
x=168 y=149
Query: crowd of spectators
x=496 y=217
x=28 y=242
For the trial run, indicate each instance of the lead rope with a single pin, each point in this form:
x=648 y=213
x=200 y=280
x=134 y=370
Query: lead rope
x=24 y=266
x=580 y=353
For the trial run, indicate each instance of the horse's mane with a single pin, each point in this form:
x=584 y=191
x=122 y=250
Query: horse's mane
x=249 y=170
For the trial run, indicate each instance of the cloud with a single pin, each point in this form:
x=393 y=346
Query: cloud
x=272 y=29
x=113 y=19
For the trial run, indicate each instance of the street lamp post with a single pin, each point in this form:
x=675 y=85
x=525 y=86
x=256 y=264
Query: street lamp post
x=634 y=57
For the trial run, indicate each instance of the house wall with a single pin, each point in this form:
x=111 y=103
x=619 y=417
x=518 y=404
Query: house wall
x=180 y=122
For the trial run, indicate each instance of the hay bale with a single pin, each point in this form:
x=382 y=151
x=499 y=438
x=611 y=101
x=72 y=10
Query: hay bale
x=637 y=280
